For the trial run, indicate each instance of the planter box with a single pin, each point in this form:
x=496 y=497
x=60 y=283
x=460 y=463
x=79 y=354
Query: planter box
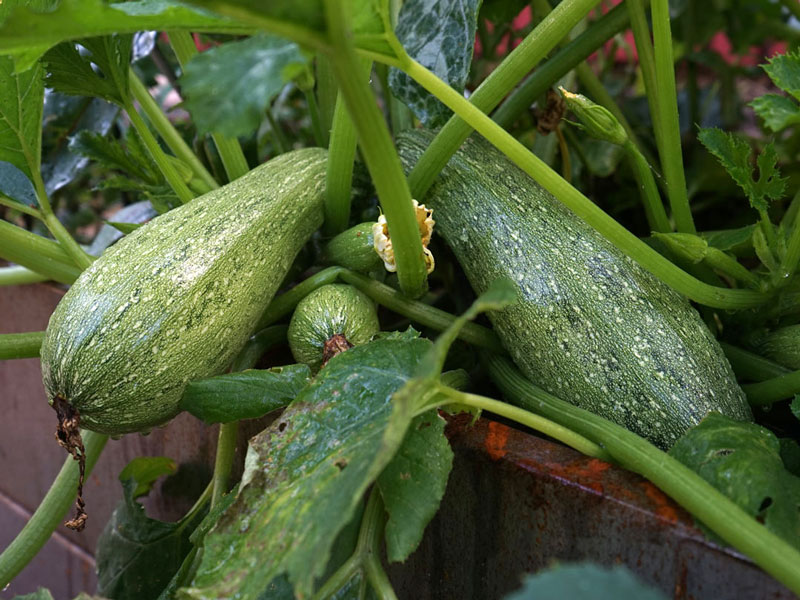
x=514 y=503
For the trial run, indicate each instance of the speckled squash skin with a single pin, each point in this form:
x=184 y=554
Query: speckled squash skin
x=591 y=326
x=327 y=311
x=176 y=299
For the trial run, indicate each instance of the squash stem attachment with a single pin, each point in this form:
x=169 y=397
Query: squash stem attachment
x=68 y=435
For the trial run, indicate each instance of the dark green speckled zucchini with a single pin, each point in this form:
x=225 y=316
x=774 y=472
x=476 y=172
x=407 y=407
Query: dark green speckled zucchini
x=591 y=326
x=176 y=299
x=329 y=320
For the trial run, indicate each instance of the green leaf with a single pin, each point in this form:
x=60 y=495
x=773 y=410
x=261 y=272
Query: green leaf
x=413 y=483
x=128 y=155
x=40 y=594
x=501 y=12
x=439 y=34
x=730 y=239
x=743 y=461
x=784 y=70
x=584 y=581
x=28 y=33
x=790 y=455
x=136 y=555
x=778 y=112
x=245 y=395
x=306 y=474
x=75 y=73
x=733 y=153
x=64 y=117
x=16 y=185
x=229 y=88
x=144 y=471
x=795 y=406
x=125 y=228
x=21 y=102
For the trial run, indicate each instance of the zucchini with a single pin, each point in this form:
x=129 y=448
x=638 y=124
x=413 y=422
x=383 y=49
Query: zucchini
x=176 y=299
x=354 y=249
x=591 y=326
x=329 y=320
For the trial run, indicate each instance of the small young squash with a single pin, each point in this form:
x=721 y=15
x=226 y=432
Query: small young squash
x=176 y=299
x=591 y=326
x=329 y=320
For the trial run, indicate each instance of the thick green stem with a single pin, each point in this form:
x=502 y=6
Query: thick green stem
x=528 y=419
x=157 y=154
x=38 y=254
x=20 y=345
x=223 y=463
x=766 y=392
x=670 y=148
x=579 y=204
x=653 y=207
x=167 y=131
x=342 y=152
x=19 y=206
x=50 y=512
x=647 y=61
x=67 y=242
x=370 y=539
x=752 y=367
x=688 y=489
x=316 y=120
x=385 y=296
x=571 y=55
x=230 y=151
x=19 y=276
x=379 y=153
x=327 y=92
x=536 y=45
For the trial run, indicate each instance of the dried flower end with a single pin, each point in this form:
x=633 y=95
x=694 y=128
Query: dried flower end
x=383 y=243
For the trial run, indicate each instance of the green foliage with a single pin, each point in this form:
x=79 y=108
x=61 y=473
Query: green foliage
x=137 y=555
x=733 y=152
x=778 y=112
x=245 y=395
x=71 y=72
x=743 y=461
x=413 y=483
x=307 y=472
x=28 y=32
x=784 y=70
x=229 y=88
x=440 y=36
x=16 y=185
x=21 y=102
x=584 y=581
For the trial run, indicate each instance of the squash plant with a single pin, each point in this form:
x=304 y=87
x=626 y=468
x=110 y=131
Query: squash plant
x=357 y=461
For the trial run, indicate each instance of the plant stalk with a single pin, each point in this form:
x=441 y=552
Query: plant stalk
x=230 y=151
x=20 y=345
x=174 y=180
x=50 y=512
x=167 y=131
x=688 y=489
x=19 y=276
x=379 y=153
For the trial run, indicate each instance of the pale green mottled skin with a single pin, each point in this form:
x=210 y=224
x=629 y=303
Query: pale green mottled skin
x=327 y=311
x=176 y=299
x=591 y=327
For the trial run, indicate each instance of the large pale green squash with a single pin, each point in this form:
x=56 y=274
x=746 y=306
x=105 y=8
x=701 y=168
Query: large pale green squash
x=177 y=299
x=591 y=326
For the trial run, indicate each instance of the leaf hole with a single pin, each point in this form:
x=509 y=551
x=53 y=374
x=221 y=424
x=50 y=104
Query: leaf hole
x=282 y=426
x=723 y=452
x=341 y=464
x=765 y=504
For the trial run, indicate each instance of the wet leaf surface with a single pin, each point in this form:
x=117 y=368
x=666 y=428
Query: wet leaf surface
x=743 y=461
x=306 y=474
